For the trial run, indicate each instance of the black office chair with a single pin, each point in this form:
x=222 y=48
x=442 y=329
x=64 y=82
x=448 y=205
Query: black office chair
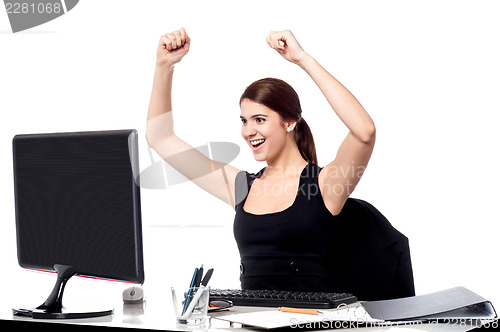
x=368 y=257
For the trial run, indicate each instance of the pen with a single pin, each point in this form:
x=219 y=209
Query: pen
x=207 y=277
x=190 y=291
x=300 y=311
x=198 y=277
x=198 y=294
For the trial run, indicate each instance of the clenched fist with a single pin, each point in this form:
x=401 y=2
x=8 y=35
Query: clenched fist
x=172 y=47
x=285 y=43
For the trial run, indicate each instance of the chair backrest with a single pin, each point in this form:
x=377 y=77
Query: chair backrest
x=368 y=257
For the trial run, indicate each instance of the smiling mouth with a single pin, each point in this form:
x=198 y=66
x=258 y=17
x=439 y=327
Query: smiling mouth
x=257 y=143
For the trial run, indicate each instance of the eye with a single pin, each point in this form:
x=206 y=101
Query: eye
x=244 y=121
x=260 y=120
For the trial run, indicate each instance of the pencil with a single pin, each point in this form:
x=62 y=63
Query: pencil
x=300 y=311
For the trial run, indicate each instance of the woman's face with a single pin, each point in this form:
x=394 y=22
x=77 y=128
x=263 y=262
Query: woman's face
x=263 y=130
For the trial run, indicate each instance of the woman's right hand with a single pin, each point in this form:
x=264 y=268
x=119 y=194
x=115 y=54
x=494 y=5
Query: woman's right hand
x=172 y=48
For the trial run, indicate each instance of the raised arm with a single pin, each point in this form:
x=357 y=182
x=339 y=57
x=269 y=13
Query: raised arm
x=215 y=177
x=339 y=178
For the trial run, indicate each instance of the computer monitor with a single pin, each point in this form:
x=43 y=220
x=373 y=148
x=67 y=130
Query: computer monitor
x=78 y=211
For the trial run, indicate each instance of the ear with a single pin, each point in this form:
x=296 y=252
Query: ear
x=290 y=124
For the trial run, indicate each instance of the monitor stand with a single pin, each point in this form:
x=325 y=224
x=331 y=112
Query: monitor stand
x=52 y=308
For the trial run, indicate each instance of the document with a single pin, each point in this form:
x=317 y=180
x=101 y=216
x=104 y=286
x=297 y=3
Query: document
x=350 y=317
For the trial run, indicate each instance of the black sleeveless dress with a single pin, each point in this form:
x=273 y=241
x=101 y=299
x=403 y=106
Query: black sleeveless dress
x=306 y=248
x=284 y=250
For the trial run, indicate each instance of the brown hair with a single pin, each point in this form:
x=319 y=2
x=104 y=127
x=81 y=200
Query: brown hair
x=282 y=98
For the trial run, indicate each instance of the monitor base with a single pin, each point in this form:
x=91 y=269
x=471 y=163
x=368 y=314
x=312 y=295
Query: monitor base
x=64 y=313
x=53 y=308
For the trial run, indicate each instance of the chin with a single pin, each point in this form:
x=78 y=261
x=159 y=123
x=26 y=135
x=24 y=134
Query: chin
x=259 y=158
x=260 y=155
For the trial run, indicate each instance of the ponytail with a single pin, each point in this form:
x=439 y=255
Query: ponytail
x=305 y=141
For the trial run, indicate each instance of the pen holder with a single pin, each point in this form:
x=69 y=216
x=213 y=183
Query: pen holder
x=191 y=305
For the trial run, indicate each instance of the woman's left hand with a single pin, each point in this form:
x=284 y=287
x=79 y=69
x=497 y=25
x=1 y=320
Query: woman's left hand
x=284 y=43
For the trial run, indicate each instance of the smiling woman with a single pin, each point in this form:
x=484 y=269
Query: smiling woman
x=274 y=98
x=286 y=213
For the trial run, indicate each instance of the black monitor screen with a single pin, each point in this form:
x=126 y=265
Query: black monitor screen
x=77 y=203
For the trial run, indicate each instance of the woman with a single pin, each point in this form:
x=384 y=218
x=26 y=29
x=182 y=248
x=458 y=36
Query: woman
x=283 y=212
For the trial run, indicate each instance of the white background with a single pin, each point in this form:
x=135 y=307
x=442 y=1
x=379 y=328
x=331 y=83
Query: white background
x=426 y=71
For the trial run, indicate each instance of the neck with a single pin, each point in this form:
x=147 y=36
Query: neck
x=288 y=163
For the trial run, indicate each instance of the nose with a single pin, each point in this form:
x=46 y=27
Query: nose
x=248 y=130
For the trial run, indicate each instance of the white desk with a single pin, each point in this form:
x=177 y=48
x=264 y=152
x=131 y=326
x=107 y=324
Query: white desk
x=155 y=313
x=159 y=316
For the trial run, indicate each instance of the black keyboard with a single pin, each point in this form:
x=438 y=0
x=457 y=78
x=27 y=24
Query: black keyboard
x=272 y=298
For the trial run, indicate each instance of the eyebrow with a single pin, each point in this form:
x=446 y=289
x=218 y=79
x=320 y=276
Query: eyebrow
x=254 y=116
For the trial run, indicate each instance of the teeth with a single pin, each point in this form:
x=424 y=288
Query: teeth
x=257 y=142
